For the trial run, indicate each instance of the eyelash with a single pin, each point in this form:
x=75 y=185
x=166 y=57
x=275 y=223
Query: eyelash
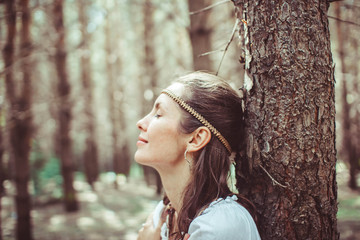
x=157 y=115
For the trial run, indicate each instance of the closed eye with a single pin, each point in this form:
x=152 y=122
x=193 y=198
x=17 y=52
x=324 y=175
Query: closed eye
x=158 y=110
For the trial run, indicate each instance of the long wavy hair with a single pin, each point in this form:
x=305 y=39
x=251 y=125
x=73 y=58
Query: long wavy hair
x=214 y=99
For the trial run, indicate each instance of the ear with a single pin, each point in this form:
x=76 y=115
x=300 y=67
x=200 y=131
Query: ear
x=200 y=137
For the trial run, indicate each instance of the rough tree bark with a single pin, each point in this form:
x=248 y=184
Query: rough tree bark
x=90 y=157
x=20 y=113
x=200 y=34
x=63 y=141
x=290 y=119
x=348 y=147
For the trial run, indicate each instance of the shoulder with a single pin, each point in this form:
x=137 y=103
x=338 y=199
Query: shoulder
x=224 y=219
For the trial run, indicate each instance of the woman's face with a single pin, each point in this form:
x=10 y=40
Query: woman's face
x=160 y=141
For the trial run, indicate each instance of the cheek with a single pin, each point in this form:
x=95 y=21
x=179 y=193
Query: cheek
x=161 y=130
x=166 y=143
x=164 y=138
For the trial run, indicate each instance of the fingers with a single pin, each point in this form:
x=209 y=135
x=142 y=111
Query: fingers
x=147 y=231
x=145 y=228
x=150 y=231
x=187 y=236
x=149 y=218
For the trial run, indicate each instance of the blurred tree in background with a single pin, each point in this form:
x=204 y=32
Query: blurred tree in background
x=121 y=159
x=90 y=156
x=19 y=96
x=149 y=81
x=347 y=37
x=63 y=142
x=2 y=172
x=200 y=34
x=78 y=75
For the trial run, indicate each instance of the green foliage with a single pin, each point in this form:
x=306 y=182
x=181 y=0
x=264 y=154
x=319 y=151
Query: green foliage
x=45 y=173
x=349 y=208
x=136 y=171
x=135 y=207
x=51 y=171
x=2 y=115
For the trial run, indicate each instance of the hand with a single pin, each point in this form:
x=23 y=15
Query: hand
x=148 y=231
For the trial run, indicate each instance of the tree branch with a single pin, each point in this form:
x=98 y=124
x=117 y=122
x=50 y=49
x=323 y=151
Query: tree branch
x=272 y=179
x=209 y=7
x=227 y=45
x=211 y=52
x=344 y=21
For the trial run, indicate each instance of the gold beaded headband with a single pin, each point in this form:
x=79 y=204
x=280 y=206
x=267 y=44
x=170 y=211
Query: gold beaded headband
x=199 y=117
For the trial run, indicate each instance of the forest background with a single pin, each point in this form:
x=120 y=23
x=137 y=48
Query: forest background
x=76 y=75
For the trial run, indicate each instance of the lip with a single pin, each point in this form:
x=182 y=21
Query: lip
x=141 y=141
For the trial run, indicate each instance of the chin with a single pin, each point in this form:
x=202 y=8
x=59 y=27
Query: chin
x=141 y=159
x=137 y=157
x=145 y=160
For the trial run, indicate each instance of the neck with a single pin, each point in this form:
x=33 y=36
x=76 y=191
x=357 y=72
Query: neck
x=175 y=179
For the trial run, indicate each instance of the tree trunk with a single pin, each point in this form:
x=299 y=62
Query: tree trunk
x=1 y=238
x=2 y=172
x=112 y=103
x=290 y=157
x=200 y=34
x=90 y=158
x=145 y=84
x=123 y=155
x=355 y=130
x=120 y=152
x=356 y=134
x=111 y=86
x=2 y=192
x=20 y=114
x=64 y=114
x=150 y=77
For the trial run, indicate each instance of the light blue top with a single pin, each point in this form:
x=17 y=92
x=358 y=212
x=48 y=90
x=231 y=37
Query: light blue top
x=223 y=219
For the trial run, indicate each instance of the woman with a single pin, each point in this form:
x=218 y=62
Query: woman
x=188 y=137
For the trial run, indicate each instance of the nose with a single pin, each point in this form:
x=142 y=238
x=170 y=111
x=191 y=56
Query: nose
x=141 y=124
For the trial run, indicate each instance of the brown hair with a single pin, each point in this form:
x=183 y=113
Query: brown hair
x=220 y=105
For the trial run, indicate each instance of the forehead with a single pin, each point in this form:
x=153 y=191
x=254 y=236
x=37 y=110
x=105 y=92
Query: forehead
x=165 y=101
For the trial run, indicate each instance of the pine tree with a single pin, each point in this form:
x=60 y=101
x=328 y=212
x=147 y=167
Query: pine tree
x=290 y=116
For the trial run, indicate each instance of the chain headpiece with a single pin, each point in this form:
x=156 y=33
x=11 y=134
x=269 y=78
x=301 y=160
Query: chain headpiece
x=199 y=117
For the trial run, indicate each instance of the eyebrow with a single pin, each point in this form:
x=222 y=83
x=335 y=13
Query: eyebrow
x=159 y=105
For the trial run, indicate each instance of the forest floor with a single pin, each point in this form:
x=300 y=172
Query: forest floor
x=349 y=205
x=105 y=214
x=108 y=213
